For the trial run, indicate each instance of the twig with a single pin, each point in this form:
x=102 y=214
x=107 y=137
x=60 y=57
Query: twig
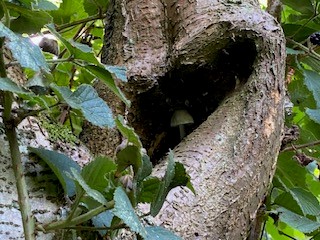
x=294 y=147
x=10 y=129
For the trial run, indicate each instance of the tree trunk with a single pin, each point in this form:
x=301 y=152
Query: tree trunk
x=223 y=62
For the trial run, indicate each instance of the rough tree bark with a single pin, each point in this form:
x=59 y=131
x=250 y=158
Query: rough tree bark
x=223 y=61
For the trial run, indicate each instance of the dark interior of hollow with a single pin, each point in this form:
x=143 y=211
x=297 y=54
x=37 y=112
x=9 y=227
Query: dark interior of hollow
x=197 y=89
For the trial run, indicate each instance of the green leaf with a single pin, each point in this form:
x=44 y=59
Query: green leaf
x=291 y=51
x=95 y=6
x=312 y=81
x=314 y=114
x=7 y=84
x=28 y=21
x=290 y=172
x=128 y=132
x=128 y=156
x=86 y=99
x=143 y=172
x=96 y=195
x=24 y=51
x=77 y=50
x=61 y=165
x=95 y=173
x=44 y=5
x=296 y=221
x=307 y=201
x=105 y=76
x=119 y=72
x=287 y=201
x=164 y=186
x=68 y=11
x=150 y=187
x=103 y=219
x=124 y=210
x=157 y=233
x=303 y=6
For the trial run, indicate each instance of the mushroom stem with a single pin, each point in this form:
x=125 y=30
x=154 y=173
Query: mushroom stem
x=182 y=131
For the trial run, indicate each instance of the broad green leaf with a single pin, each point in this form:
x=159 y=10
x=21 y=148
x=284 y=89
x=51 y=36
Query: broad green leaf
x=303 y=6
x=128 y=132
x=105 y=76
x=307 y=201
x=103 y=219
x=290 y=172
x=143 y=172
x=150 y=188
x=7 y=84
x=61 y=165
x=312 y=81
x=96 y=195
x=24 y=51
x=95 y=173
x=44 y=5
x=164 y=186
x=130 y=155
x=287 y=201
x=68 y=11
x=124 y=210
x=314 y=114
x=86 y=99
x=95 y=6
x=77 y=50
x=298 y=222
x=157 y=233
x=29 y=21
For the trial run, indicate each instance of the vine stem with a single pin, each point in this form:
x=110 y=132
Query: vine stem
x=10 y=130
x=79 y=219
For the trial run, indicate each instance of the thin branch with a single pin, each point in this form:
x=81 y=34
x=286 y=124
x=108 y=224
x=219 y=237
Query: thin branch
x=294 y=147
x=77 y=220
x=304 y=48
x=85 y=20
x=10 y=129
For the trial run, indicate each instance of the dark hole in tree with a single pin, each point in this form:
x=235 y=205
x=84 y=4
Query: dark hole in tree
x=197 y=89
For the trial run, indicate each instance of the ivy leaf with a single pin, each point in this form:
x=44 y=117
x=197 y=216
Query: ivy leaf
x=155 y=233
x=24 y=51
x=61 y=165
x=7 y=84
x=124 y=210
x=128 y=132
x=86 y=99
x=298 y=222
x=29 y=21
x=94 y=194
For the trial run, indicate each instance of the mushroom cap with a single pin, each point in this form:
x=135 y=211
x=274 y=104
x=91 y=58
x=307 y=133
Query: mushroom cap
x=181 y=117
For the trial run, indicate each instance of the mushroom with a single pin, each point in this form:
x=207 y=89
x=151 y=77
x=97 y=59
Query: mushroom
x=180 y=118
